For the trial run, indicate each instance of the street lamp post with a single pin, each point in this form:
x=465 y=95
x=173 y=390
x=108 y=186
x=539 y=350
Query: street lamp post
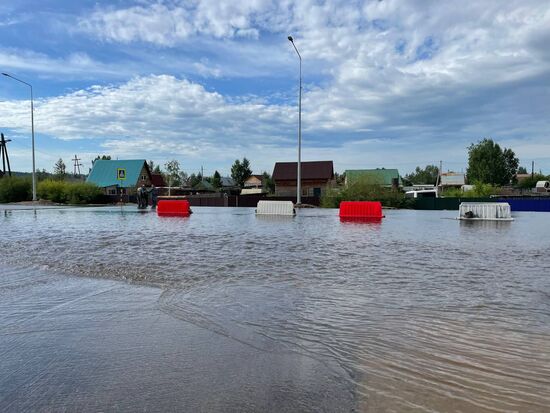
x=32 y=131
x=299 y=171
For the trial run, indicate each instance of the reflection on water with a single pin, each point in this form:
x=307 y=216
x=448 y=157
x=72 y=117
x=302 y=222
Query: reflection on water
x=414 y=313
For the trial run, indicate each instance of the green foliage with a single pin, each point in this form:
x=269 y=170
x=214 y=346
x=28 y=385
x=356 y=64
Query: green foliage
x=172 y=176
x=364 y=189
x=522 y=170
x=488 y=163
x=59 y=169
x=195 y=179
x=426 y=176
x=480 y=190
x=216 y=180
x=69 y=192
x=268 y=183
x=102 y=158
x=531 y=182
x=240 y=171
x=15 y=189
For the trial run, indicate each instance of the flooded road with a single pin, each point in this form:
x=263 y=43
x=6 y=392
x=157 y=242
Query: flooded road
x=110 y=309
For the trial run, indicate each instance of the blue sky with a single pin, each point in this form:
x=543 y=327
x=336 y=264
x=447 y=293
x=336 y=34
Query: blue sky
x=386 y=83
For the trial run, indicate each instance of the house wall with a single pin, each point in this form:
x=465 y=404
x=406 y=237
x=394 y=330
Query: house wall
x=113 y=190
x=253 y=182
x=288 y=188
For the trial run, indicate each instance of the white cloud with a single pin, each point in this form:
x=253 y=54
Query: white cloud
x=381 y=76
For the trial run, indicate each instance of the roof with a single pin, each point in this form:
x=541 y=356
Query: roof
x=104 y=172
x=452 y=178
x=158 y=180
x=204 y=186
x=227 y=181
x=380 y=176
x=259 y=177
x=318 y=170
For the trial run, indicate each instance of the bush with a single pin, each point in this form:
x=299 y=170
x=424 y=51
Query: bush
x=364 y=190
x=531 y=182
x=479 y=190
x=69 y=192
x=15 y=189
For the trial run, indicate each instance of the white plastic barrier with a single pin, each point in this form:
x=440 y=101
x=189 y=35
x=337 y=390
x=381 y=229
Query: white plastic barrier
x=485 y=211
x=275 y=208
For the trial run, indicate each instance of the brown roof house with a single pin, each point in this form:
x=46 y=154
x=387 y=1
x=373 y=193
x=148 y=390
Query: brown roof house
x=316 y=177
x=253 y=185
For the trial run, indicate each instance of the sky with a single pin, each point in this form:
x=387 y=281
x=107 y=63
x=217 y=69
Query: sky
x=390 y=83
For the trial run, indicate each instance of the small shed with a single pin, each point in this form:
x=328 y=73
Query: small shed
x=542 y=186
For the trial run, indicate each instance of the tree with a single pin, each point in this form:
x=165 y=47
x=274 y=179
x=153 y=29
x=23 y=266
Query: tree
x=102 y=158
x=522 y=170
x=172 y=172
x=151 y=165
x=59 y=169
x=240 y=171
x=489 y=164
x=184 y=178
x=216 y=180
x=268 y=184
x=426 y=176
x=195 y=179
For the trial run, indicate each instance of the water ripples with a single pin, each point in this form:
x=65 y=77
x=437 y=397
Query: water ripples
x=417 y=313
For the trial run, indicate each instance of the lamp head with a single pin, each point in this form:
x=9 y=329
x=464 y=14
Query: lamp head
x=290 y=38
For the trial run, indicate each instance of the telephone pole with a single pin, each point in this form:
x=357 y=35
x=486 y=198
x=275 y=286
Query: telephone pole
x=76 y=165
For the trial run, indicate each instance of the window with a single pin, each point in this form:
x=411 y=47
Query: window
x=143 y=177
x=112 y=191
x=305 y=192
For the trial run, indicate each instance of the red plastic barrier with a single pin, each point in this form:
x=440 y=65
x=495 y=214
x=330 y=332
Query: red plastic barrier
x=173 y=208
x=361 y=209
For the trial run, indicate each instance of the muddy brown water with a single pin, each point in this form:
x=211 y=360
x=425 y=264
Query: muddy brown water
x=111 y=309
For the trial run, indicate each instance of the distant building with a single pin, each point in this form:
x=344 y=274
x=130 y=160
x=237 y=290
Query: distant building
x=254 y=181
x=135 y=172
x=227 y=182
x=158 y=180
x=522 y=177
x=316 y=177
x=451 y=180
x=388 y=178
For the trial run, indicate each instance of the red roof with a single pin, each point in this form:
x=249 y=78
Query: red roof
x=158 y=180
x=316 y=170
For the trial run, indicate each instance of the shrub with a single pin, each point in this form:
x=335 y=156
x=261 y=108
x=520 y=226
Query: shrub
x=365 y=190
x=15 y=189
x=479 y=190
x=69 y=192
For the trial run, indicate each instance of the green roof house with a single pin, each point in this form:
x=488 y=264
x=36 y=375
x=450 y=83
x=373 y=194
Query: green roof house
x=380 y=176
x=126 y=174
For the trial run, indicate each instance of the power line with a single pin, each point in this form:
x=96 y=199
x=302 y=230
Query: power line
x=76 y=165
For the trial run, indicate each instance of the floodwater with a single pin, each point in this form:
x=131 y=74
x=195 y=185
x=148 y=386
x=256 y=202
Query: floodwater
x=111 y=309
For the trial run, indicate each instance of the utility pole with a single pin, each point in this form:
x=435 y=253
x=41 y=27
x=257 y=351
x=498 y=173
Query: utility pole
x=532 y=169
x=77 y=165
x=438 y=177
x=5 y=157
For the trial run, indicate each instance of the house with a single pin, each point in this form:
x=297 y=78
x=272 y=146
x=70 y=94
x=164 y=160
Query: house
x=254 y=181
x=316 y=176
x=158 y=180
x=125 y=174
x=388 y=178
x=451 y=180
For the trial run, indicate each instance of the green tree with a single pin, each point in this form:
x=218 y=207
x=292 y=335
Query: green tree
x=195 y=179
x=522 y=170
x=172 y=172
x=102 y=158
x=216 y=180
x=268 y=183
x=240 y=171
x=426 y=176
x=59 y=169
x=488 y=163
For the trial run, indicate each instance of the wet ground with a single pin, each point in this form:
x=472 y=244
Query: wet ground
x=110 y=309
